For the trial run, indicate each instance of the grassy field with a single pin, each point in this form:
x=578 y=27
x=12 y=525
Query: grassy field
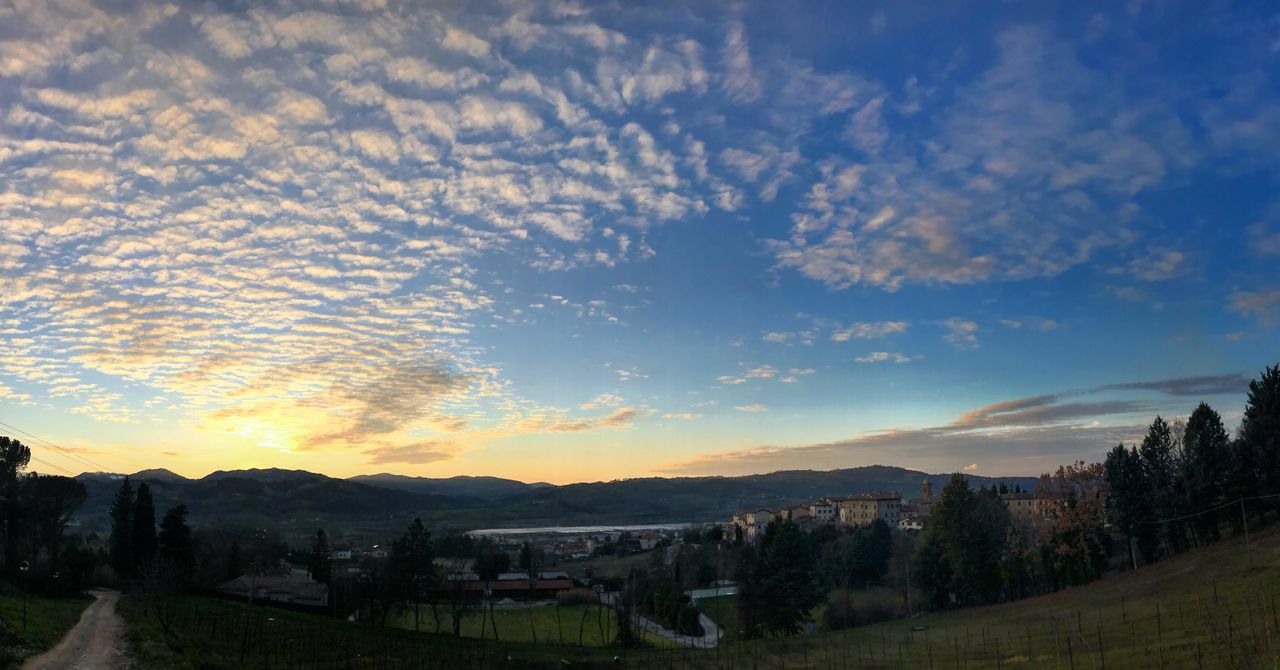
x=1217 y=607
x=47 y=621
x=575 y=625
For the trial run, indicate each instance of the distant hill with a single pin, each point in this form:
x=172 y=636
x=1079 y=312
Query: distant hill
x=297 y=498
x=474 y=487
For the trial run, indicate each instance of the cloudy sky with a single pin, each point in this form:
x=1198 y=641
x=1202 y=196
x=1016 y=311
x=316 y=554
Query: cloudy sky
x=587 y=241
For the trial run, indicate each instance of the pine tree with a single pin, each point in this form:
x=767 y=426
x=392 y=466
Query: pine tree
x=1260 y=429
x=235 y=566
x=318 y=565
x=122 y=531
x=175 y=541
x=1207 y=461
x=143 y=535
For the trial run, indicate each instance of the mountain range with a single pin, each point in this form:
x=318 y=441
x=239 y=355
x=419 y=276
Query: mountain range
x=301 y=499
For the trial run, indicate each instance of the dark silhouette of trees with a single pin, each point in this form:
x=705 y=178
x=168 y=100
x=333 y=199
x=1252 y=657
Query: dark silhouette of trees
x=784 y=587
x=1206 y=468
x=52 y=500
x=14 y=457
x=411 y=566
x=318 y=563
x=175 y=545
x=1259 y=436
x=1129 y=503
x=121 y=543
x=959 y=557
x=143 y=532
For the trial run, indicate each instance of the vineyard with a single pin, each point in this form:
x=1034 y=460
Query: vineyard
x=1217 y=607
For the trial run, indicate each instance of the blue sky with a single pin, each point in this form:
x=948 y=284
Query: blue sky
x=587 y=241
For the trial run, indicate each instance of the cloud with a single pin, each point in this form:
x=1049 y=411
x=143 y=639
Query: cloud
x=683 y=416
x=414 y=454
x=754 y=408
x=867 y=331
x=618 y=418
x=1207 y=385
x=1158 y=265
x=962 y=333
x=1261 y=304
x=972 y=467
x=886 y=356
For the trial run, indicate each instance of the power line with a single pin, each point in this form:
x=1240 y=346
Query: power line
x=84 y=460
x=56 y=467
x=1233 y=503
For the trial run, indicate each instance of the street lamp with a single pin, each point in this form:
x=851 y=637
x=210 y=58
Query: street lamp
x=25 y=569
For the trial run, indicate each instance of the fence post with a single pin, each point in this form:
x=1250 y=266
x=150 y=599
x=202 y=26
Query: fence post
x=1102 y=655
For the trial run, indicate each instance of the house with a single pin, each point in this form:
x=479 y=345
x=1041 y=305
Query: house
x=293 y=587
x=648 y=541
x=863 y=509
x=1025 y=507
x=514 y=585
x=378 y=551
x=341 y=552
x=824 y=510
x=911 y=523
x=793 y=513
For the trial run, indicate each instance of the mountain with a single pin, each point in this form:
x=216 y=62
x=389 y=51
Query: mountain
x=299 y=499
x=462 y=485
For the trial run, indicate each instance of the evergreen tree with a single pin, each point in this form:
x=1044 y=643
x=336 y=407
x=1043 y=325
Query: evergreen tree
x=1260 y=430
x=121 y=543
x=318 y=565
x=412 y=566
x=143 y=536
x=1207 y=465
x=959 y=556
x=235 y=562
x=1129 y=501
x=787 y=586
x=175 y=541
x=1160 y=467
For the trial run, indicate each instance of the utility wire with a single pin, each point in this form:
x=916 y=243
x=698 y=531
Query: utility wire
x=84 y=460
x=1233 y=503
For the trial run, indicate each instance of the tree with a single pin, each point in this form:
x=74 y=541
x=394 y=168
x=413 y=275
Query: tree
x=14 y=457
x=959 y=556
x=143 y=535
x=1206 y=468
x=1161 y=465
x=491 y=563
x=412 y=566
x=1129 y=500
x=1074 y=541
x=318 y=565
x=235 y=562
x=786 y=586
x=175 y=542
x=121 y=543
x=52 y=501
x=1260 y=429
x=528 y=562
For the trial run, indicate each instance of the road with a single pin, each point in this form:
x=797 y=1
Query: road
x=710 y=632
x=95 y=643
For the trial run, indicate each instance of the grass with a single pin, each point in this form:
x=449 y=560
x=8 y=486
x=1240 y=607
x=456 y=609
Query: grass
x=1206 y=609
x=724 y=611
x=48 y=620
x=513 y=624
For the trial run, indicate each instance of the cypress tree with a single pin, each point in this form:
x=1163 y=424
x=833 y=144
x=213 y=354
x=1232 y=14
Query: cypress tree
x=122 y=531
x=144 y=527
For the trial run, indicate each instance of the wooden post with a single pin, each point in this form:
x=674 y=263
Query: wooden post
x=1102 y=655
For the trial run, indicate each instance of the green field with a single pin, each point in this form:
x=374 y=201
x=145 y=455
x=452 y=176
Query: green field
x=571 y=625
x=1210 y=608
x=47 y=621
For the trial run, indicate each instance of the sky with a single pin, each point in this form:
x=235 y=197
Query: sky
x=573 y=242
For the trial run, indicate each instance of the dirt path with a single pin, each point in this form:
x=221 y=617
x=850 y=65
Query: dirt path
x=96 y=642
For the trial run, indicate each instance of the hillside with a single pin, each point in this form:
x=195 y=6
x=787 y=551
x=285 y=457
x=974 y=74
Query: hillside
x=279 y=497
x=1215 y=607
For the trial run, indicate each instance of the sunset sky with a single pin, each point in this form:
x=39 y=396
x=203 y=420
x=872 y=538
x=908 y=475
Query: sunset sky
x=568 y=242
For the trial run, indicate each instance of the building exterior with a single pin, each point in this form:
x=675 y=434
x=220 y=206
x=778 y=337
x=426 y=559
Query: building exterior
x=294 y=587
x=911 y=523
x=862 y=510
x=1025 y=507
x=793 y=513
x=824 y=510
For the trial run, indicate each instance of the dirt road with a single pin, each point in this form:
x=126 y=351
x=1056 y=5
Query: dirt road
x=96 y=642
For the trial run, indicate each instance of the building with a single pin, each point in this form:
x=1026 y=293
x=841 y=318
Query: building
x=911 y=523
x=824 y=510
x=793 y=513
x=295 y=587
x=862 y=510
x=1025 y=507
x=342 y=552
x=649 y=541
x=514 y=585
